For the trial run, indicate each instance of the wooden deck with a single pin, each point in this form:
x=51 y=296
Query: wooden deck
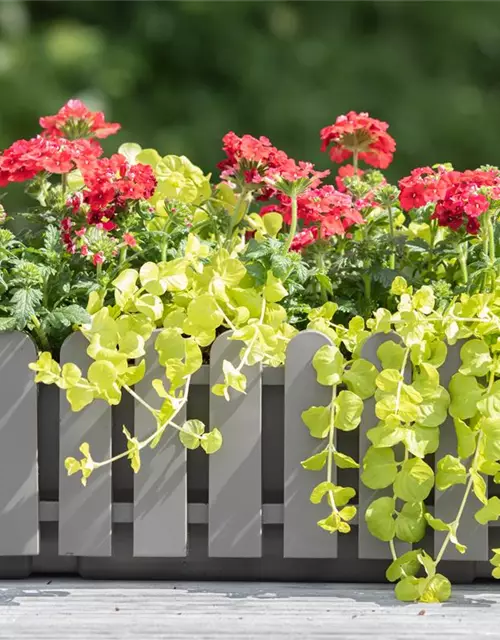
x=72 y=610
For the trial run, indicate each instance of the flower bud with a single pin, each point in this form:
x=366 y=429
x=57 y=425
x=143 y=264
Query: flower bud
x=3 y=215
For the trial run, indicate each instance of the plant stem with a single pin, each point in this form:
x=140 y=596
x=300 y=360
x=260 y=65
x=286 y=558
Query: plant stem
x=393 y=550
x=158 y=431
x=331 y=449
x=42 y=336
x=64 y=183
x=461 y=508
x=367 y=281
x=254 y=338
x=123 y=255
x=470 y=482
x=293 y=224
x=392 y=257
x=463 y=250
x=355 y=162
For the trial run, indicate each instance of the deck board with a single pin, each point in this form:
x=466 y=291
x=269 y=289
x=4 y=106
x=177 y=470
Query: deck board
x=62 y=609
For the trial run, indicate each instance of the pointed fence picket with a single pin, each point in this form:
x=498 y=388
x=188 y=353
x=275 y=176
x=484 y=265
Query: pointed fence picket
x=244 y=512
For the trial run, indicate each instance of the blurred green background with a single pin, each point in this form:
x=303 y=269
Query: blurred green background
x=178 y=75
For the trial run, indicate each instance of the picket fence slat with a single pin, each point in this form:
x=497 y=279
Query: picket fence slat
x=447 y=503
x=370 y=547
x=19 y=529
x=84 y=512
x=160 y=487
x=302 y=538
x=235 y=471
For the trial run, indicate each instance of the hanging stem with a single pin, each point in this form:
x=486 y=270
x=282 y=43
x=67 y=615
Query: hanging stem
x=355 y=162
x=470 y=483
x=293 y=224
x=331 y=449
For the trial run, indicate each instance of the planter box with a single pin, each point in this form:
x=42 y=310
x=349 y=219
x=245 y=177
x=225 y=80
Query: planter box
x=242 y=513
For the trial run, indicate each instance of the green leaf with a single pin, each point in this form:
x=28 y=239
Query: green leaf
x=72 y=466
x=433 y=410
x=415 y=481
x=478 y=486
x=421 y=440
x=388 y=380
x=476 y=358
x=315 y=462
x=190 y=430
x=71 y=375
x=411 y=522
x=102 y=374
x=150 y=279
x=348 y=410
x=234 y=378
x=272 y=222
x=428 y=563
x=391 y=355
x=24 y=305
x=424 y=300
x=438 y=589
x=204 y=312
x=408 y=589
x=343 y=461
x=490 y=511
x=317 y=420
x=466 y=439
x=274 y=291
x=320 y=491
x=450 y=471
x=491 y=430
x=385 y=435
x=326 y=311
x=379 y=468
x=406 y=565
x=212 y=441
x=379 y=518
x=465 y=393
x=328 y=363
x=150 y=305
x=360 y=378
x=126 y=281
x=436 y=523
x=79 y=398
x=489 y=405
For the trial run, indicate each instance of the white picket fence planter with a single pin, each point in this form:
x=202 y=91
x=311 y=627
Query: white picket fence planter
x=242 y=513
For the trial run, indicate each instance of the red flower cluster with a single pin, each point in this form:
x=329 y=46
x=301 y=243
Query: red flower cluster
x=357 y=132
x=25 y=159
x=112 y=183
x=75 y=120
x=459 y=201
x=324 y=212
x=255 y=161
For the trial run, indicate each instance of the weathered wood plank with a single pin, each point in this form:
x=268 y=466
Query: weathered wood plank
x=160 y=487
x=19 y=530
x=235 y=471
x=302 y=538
x=84 y=512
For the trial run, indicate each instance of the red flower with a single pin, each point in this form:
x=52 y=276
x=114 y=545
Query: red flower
x=256 y=162
x=424 y=185
x=112 y=183
x=24 y=159
x=304 y=238
x=97 y=258
x=463 y=202
x=324 y=208
x=75 y=120
x=129 y=240
x=359 y=133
